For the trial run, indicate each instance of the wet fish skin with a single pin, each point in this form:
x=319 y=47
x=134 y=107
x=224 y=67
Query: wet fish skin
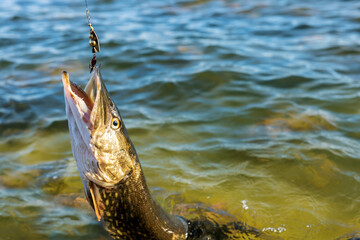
x=112 y=176
x=129 y=212
x=110 y=169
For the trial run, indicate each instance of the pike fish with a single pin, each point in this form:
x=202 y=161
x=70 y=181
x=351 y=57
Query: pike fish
x=112 y=176
x=109 y=166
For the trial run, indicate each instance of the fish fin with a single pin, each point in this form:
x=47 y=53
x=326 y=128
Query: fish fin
x=95 y=195
x=88 y=197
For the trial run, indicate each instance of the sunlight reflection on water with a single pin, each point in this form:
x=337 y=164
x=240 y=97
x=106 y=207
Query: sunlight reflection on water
x=250 y=108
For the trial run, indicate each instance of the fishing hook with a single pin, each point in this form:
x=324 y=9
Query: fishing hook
x=94 y=40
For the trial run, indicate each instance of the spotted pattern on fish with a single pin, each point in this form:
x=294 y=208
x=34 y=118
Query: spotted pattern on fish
x=133 y=214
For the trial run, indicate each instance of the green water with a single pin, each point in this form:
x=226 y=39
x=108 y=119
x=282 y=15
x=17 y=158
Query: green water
x=245 y=107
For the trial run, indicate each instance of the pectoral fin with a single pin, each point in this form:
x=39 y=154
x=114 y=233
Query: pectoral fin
x=95 y=200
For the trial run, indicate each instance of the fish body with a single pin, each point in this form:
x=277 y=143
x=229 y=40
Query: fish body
x=109 y=166
x=112 y=176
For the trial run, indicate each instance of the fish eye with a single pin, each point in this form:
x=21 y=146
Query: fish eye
x=115 y=123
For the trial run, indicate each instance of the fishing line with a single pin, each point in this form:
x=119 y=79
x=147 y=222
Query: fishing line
x=87 y=13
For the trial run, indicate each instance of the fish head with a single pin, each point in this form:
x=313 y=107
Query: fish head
x=100 y=143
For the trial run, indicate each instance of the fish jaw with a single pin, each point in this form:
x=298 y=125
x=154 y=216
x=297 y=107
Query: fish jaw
x=79 y=108
x=104 y=156
x=77 y=103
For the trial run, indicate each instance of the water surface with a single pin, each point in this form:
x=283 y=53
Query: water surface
x=248 y=107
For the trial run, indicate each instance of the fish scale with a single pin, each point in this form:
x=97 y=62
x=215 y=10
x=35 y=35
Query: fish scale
x=129 y=212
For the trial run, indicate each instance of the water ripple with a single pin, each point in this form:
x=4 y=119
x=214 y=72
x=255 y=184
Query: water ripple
x=226 y=102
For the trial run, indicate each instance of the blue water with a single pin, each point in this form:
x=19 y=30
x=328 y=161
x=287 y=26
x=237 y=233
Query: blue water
x=248 y=107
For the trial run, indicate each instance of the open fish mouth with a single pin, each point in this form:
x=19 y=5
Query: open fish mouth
x=81 y=102
x=88 y=112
